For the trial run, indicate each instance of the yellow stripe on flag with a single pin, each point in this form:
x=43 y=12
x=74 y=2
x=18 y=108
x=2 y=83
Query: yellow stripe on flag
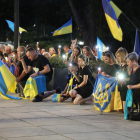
x=115 y=30
x=64 y=30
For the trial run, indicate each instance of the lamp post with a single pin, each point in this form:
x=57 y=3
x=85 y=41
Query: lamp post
x=16 y=25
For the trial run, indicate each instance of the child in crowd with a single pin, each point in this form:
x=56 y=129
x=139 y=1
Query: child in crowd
x=71 y=82
x=84 y=88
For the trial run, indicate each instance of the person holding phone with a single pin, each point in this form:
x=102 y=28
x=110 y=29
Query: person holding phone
x=19 y=71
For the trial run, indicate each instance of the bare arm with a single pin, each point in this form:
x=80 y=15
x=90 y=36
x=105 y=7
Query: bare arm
x=85 y=78
x=22 y=75
x=44 y=71
x=26 y=68
x=133 y=86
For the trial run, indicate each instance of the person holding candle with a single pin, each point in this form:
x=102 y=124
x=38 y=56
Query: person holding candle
x=125 y=71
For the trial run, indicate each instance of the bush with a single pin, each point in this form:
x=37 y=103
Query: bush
x=57 y=62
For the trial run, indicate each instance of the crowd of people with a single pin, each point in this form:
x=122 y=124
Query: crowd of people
x=28 y=62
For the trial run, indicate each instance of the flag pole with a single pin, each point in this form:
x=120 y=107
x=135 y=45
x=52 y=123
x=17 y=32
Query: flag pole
x=131 y=22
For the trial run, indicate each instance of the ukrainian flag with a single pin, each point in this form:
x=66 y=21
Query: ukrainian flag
x=65 y=29
x=7 y=82
x=11 y=26
x=100 y=48
x=106 y=94
x=112 y=20
x=34 y=86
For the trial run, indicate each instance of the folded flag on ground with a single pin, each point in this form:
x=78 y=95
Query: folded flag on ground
x=106 y=94
x=7 y=82
x=56 y=98
x=34 y=86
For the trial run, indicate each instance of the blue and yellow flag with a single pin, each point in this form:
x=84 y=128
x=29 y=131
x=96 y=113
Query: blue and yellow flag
x=100 y=48
x=136 y=46
x=106 y=95
x=7 y=82
x=11 y=26
x=112 y=20
x=35 y=86
x=56 y=98
x=65 y=29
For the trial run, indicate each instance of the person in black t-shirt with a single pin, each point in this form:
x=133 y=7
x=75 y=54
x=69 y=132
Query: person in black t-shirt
x=71 y=82
x=39 y=64
x=112 y=67
x=134 y=82
x=19 y=72
x=84 y=88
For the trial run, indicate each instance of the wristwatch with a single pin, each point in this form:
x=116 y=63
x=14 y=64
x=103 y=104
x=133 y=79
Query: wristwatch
x=38 y=73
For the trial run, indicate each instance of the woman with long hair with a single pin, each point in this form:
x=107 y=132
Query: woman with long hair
x=125 y=71
x=88 y=52
x=84 y=88
x=112 y=67
x=74 y=57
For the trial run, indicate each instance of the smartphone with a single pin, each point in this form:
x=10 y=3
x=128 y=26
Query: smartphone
x=6 y=58
x=21 y=54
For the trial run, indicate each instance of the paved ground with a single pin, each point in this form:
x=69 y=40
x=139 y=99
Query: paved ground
x=24 y=120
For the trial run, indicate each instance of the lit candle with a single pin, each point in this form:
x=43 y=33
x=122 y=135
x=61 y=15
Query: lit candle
x=99 y=70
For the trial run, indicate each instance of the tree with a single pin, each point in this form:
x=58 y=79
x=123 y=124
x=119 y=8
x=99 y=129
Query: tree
x=85 y=22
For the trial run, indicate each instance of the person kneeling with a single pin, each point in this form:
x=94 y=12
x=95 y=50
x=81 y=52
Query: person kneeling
x=84 y=89
x=41 y=66
x=71 y=82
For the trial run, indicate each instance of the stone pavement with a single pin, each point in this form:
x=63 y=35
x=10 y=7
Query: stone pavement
x=24 y=120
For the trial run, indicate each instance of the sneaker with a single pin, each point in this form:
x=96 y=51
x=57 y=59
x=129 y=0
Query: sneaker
x=58 y=90
x=37 y=99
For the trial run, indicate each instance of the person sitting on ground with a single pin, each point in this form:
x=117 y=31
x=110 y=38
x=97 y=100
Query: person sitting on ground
x=43 y=66
x=126 y=71
x=52 y=52
x=112 y=67
x=71 y=83
x=19 y=71
x=84 y=88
